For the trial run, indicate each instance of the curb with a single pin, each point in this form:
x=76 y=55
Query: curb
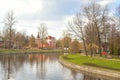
x=95 y=72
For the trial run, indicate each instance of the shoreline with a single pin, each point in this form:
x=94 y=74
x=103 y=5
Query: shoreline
x=93 y=71
x=29 y=52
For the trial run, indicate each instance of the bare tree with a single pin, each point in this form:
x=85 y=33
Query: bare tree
x=42 y=29
x=117 y=18
x=90 y=36
x=92 y=15
x=115 y=36
x=74 y=46
x=97 y=16
x=76 y=28
x=9 y=22
x=20 y=40
x=66 y=40
x=32 y=42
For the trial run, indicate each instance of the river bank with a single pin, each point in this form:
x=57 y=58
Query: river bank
x=30 y=51
x=99 y=72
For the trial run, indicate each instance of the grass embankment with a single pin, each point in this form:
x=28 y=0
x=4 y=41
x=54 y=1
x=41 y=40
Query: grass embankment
x=93 y=61
x=28 y=51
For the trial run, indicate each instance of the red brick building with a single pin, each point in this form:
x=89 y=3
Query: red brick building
x=50 y=42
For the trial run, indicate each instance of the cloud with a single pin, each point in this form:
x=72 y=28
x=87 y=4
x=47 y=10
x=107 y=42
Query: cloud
x=55 y=13
x=101 y=2
x=52 y=10
x=21 y=6
x=105 y=2
x=30 y=13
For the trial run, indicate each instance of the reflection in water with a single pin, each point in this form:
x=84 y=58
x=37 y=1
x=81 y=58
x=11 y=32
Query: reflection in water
x=87 y=77
x=37 y=67
x=10 y=65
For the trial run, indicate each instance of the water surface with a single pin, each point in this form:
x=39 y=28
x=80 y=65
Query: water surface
x=37 y=67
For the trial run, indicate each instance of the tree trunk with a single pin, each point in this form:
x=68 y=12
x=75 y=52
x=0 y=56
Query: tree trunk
x=85 y=49
x=99 y=42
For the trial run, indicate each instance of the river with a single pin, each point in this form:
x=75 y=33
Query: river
x=38 y=67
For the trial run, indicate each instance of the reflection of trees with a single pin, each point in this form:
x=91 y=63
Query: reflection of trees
x=39 y=60
x=88 y=77
x=11 y=64
x=85 y=76
x=74 y=74
x=54 y=57
x=41 y=67
x=39 y=57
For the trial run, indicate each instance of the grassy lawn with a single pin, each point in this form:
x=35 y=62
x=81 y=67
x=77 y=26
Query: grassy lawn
x=93 y=61
x=29 y=50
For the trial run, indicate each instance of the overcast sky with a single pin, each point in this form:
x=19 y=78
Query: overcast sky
x=55 y=13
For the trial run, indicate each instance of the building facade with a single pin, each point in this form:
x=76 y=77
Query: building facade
x=49 y=43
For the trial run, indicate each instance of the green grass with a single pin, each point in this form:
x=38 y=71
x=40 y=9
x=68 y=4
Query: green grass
x=29 y=50
x=93 y=61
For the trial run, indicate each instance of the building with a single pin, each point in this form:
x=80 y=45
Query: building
x=49 y=43
x=6 y=44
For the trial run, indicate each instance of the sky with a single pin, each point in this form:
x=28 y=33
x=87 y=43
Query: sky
x=55 y=13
